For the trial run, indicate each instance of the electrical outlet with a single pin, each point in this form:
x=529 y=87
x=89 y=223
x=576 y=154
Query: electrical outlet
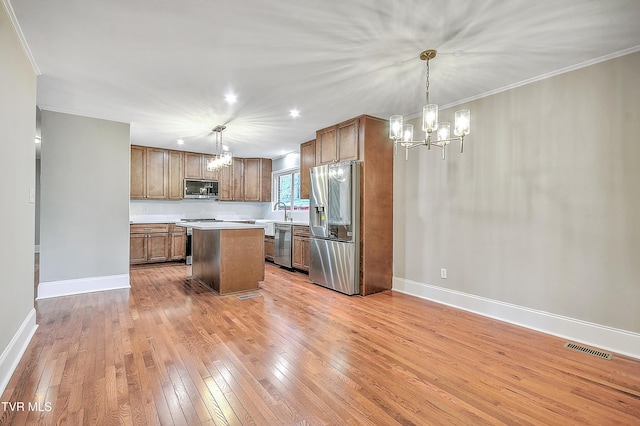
x=443 y=273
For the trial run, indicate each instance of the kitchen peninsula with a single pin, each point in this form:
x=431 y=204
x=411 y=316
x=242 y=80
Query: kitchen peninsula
x=228 y=257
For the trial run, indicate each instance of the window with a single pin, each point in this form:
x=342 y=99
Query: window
x=286 y=186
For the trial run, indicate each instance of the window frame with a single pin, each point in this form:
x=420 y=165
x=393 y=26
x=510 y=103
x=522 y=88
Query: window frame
x=275 y=193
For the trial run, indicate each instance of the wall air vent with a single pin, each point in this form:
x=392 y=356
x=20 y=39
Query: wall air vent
x=587 y=350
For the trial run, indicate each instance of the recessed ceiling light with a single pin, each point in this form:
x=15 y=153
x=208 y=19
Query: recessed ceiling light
x=294 y=113
x=180 y=142
x=231 y=98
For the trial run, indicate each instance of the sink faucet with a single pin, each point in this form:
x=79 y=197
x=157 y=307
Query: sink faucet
x=286 y=218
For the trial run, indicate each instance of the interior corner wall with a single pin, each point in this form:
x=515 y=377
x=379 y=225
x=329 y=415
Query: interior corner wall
x=84 y=229
x=541 y=210
x=17 y=214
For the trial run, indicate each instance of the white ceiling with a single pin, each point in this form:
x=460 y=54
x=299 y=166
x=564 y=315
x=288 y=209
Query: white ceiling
x=165 y=65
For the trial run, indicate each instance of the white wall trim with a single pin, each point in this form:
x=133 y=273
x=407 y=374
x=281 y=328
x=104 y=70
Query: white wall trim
x=23 y=41
x=50 y=289
x=12 y=354
x=544 y=76
x=608 y=338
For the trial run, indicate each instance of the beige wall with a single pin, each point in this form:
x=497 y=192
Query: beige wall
x=17 y=174
x=543 y=208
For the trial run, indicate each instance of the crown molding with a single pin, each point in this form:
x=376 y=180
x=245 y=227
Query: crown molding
x=584 y=64
x=23 y=41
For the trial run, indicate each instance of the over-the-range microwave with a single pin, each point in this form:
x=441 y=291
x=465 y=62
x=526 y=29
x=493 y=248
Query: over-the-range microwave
x=201 y=189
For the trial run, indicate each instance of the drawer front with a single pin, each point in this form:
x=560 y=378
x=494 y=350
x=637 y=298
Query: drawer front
x=149 y=228
x=301 y=230
x=175 y=229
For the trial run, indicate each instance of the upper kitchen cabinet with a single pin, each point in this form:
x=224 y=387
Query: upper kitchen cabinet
x=138 y=183
x=338 y=143
x=248 y=179
x=307 y=161
x=257 y=179
x=159 y=174
x=195 y=167
x=231 y=186
x=149 y=173
x=326 y=143
x=209 y=174
x=176 y=175
x=192 y=165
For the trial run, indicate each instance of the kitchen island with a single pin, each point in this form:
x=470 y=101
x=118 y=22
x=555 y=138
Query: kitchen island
x=227 y=257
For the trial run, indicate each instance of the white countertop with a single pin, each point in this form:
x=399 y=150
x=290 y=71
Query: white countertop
x=281 y=222
x=177 y=220
x=219 y=225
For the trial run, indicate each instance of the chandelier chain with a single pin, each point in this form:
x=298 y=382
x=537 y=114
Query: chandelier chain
x=427 y=83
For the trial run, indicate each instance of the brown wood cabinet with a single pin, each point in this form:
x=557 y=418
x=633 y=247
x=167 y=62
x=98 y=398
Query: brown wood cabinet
x=195 y=166
x=231 y=186
x=209 y=174
x=138 y=183
x=149 y=243
x=257 y=179
x=326 y=146
x=176 y=175
x=149 y=173
x=269 y=248
x=157 y=173
x=376 y=205
x=178 y=235
x=338 y=143
x=192 y=165
x=307 y=161
x=300 y=255
x=248 y=179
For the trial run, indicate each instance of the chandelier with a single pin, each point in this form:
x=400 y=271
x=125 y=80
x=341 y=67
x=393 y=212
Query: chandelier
x=221 y=158
x=402 y=134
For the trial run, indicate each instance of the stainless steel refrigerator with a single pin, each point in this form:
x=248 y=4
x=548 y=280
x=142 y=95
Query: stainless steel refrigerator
x=334 y=224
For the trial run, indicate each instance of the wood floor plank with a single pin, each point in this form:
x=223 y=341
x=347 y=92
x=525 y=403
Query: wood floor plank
x=170 y=352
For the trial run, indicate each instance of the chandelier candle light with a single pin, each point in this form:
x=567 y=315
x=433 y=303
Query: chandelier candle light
x=221 y=158
x=402 y=134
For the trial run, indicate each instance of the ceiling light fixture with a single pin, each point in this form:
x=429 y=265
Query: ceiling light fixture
x=221 y=158
x=180 y=141
x=402 y=134
x=294 y=113
x=231 y=98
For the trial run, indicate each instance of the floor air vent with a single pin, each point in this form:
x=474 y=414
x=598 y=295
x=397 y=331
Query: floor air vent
x=249 y=296
x=589 y=351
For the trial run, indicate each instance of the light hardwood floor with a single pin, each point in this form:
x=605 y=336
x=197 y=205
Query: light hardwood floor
x=169 y=351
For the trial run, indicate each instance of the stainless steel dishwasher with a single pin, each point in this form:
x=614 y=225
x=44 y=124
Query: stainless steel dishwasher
x=282 y=244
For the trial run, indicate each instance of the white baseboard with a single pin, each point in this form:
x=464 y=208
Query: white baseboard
x=599 y=336
x=50 y=289
x=17 y=346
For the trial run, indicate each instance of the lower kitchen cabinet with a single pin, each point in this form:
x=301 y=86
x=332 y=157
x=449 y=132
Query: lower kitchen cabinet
x=300 y=248
x=137 y=248
x=269 y=248
x=178 y=242
x=149 y=243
